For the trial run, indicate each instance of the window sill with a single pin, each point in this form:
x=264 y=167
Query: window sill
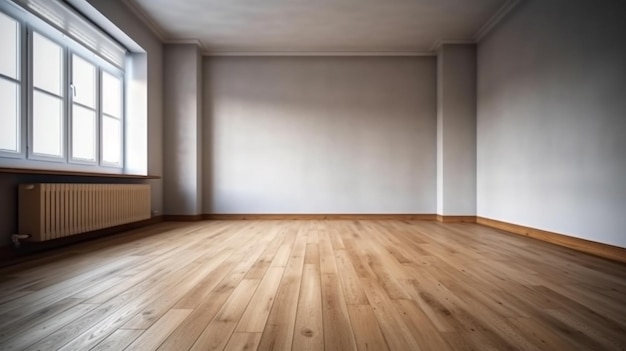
x=75 y=173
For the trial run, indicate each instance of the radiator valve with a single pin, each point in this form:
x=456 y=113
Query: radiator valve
x=16 y=239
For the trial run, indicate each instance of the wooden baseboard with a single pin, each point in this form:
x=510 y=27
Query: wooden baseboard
x=456 y=219
x=183 y=218
x=28 y=250
x=315 y=216
x=591 y=247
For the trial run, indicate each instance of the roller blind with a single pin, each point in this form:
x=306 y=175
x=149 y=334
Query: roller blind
x=68 y=21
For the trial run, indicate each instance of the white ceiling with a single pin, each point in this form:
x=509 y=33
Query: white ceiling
x=320 y=26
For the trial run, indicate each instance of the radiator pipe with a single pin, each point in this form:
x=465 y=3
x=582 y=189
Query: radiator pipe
x=16 y=239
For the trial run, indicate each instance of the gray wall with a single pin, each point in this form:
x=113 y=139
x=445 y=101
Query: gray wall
x=320 y=135
x=182 y=151
x=552 y=118
x=456 y=130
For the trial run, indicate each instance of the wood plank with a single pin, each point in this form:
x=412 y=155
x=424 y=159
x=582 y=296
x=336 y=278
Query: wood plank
x=421 y=327
x=145 y=318
x=350 y=281
x=186 y=334
x=255 y=316
x=366 y=330
x=154 y=336
x=337 y=328
x=216 y=335
x=309 y=329
x=262 y=264
x=279 y=329
x=119 y=340
x=397 y=334
x=312 y=255
x=25 y=325
x=243 y=341
x=25 y=338
x=327 y=255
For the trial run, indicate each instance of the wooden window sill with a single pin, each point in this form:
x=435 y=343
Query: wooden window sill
x=75 y=173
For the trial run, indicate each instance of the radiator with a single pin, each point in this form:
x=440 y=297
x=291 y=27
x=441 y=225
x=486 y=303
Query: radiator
x=51 y=211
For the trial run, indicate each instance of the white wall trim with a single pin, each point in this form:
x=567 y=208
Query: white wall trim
x=437 y=45
x=186 y=41
x=495 y=19
x=161 y=34
x=318 y=53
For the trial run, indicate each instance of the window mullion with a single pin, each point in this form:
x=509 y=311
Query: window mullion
x=69 y=91
x=24 y=72
x=99 y=115
x=28 y=91
x=67 y=115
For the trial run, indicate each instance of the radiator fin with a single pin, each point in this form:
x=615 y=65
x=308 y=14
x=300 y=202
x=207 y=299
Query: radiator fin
x=51 y=211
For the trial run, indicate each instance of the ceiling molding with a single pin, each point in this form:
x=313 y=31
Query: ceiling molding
x=146 y=19
x=318 y=53
x=161 y=34
x=196 y=42
x=437 y=45
x=495 y=19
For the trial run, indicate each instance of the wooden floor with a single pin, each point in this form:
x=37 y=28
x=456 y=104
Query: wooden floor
x=314 y=285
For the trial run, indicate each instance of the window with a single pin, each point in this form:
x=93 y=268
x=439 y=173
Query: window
x=47 y=104
x=111 y=118
x=84 y=111
x=10 y=84
x=71 y=108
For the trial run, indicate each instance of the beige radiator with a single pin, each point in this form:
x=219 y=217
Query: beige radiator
x=50 y=211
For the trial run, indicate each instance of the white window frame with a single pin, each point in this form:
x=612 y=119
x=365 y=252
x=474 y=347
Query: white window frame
x=119 y=74
x=71 y=112
x=21 y=81
x=31 y=155
x=30 y=23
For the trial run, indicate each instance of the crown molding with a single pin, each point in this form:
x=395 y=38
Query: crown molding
x=481 y=33
x=437 y=45
x=146 y=19
x=495 y=19
x=157 y=30
x=319 y=53
x=196 y=42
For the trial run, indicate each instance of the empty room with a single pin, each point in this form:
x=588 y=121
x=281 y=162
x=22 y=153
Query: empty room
x=321 y=175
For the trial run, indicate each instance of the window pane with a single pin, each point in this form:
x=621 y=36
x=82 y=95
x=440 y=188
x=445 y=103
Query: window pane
x=47 y=124
x=111 y=140
x=83 y=133
x=9 y=115
x=111 y=95
x=47 y=65
x=84 y=80
x=9 y=43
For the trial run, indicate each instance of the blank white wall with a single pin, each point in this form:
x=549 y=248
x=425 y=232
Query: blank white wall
x=456 y=130
x=182 y=140
x=320 y=135
x=552 y=118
